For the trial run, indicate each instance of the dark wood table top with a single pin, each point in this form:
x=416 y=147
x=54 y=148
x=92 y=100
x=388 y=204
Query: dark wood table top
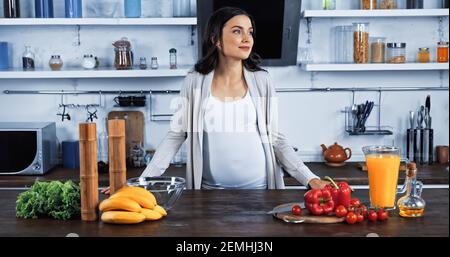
x=223 y=213
x=434 y=174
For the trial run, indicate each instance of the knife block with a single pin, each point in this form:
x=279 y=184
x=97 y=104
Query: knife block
x=419 y=145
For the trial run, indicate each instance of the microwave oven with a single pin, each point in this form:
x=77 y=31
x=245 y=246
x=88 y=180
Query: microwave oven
x=27 y=148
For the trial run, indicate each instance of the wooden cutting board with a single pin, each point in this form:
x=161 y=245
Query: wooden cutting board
x=134 y=127
x=306 y=217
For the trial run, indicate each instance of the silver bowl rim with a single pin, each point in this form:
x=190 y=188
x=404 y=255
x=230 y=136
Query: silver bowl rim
x=180 y=184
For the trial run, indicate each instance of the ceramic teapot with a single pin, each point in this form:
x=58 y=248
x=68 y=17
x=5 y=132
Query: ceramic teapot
x=336 y=153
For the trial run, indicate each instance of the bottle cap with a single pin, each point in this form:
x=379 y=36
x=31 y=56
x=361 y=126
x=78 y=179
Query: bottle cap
x=412 y=166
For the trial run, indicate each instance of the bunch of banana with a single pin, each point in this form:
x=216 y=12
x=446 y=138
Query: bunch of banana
x=131 y=205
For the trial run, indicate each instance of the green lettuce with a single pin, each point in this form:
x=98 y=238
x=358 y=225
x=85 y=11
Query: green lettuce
x=54 y=199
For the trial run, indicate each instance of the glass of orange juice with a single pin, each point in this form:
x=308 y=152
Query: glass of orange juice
x=383 y=164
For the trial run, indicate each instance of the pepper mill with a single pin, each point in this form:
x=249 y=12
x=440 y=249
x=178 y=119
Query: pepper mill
x=117 y=155
x=88 y=171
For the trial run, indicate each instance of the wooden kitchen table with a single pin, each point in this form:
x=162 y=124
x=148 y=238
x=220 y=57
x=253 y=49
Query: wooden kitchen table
x=233 y=213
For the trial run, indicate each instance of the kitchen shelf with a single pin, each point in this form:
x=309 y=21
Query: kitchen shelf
x=19 y=73
x=374 y=67
x=98 y=21
x=375 y=13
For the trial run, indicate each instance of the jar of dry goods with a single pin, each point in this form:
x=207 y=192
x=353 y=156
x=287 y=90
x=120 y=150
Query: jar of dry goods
x=368 y=4
x=396 y=52
x=377 y=49
x=388 y=4
x=55 y=62
x=361 y=42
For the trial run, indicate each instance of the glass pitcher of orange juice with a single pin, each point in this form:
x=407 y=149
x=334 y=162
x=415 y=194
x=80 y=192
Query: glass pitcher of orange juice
x=383 y=164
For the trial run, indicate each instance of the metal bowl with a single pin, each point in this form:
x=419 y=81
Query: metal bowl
x=167 y=190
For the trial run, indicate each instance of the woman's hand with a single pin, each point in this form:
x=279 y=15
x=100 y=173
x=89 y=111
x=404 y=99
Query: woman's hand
x=106 y=191
x=317 y=183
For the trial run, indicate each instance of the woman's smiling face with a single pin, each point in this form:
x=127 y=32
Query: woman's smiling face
x=237 y=38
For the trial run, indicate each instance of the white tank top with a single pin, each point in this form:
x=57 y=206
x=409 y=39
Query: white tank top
x=233 y=155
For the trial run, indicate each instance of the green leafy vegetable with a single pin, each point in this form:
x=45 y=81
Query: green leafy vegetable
x=55 y=199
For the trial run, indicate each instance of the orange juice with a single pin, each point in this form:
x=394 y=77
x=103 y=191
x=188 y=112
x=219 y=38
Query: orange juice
x=383 y=175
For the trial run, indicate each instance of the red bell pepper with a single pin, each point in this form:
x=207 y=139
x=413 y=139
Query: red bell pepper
x=319 y=201
x=340 y=192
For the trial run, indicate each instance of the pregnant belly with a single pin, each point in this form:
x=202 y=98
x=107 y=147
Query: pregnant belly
x=234 y=159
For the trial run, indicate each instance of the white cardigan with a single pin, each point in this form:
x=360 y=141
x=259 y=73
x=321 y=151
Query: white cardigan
x=187 y=124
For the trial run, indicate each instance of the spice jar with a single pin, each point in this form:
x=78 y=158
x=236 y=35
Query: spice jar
x=423 y=55
x=142 y=63
x=173 y=58
x=396 y=52
x=378 y=49
x=154 y=65
x=368 y=4
x=55 y=62
x=28 y=59
x=89 y=61
x=361 y=42
x=442 y=52
x=388 y=4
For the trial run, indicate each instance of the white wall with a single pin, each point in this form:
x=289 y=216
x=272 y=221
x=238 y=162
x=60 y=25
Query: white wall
x=308 y=119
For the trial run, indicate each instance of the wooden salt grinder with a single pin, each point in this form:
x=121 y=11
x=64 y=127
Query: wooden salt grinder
x=117 y=154
x=88 y=171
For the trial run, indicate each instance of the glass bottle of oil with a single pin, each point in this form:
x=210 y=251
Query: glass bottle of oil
x=412 y=205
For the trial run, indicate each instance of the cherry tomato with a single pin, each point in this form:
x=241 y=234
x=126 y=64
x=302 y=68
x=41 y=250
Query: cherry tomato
x=296 y=210
x=355 y=202
x=341 y=211
x=372 y=215
x=363 y=210
x=359 y=217
x=382 y=214
x=351 y=218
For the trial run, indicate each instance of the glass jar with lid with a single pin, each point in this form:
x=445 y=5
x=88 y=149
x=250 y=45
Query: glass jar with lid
x=154 y=64
x=89 y=61
x=343 y=45
x=423 y=56
x=173 y=58
x=361 y=42
x=442 y=52
x=396 y=52
x=377 y=49
x=55 y=62
x=143 y=63
x=388 y=4
x=368 y=4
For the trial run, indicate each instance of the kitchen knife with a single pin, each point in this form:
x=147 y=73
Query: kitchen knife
x=430 y=144
x=428 y=103
x=416 y=151
x=421 y=159
x=366 y=115
x=286 y=209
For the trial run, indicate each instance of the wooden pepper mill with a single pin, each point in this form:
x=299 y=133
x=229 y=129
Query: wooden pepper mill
x=88 y=171
x=117 y=155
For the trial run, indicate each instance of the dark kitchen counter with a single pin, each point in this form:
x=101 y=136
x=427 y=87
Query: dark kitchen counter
x=434 y=174
x=231 y=213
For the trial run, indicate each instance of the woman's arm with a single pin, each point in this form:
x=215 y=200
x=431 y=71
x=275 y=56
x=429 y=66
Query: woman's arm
x=174 y=138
